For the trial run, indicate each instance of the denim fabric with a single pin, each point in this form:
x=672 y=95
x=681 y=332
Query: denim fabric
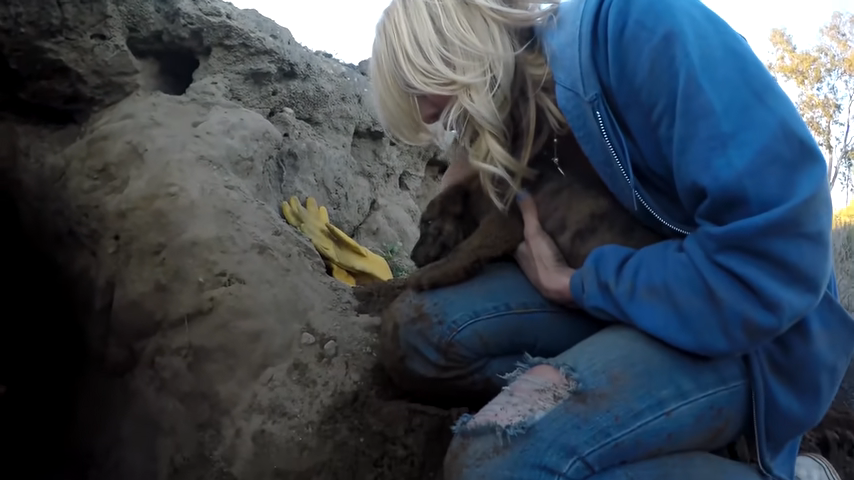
x=630 y=406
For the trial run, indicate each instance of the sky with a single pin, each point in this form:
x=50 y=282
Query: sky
x=345 y=28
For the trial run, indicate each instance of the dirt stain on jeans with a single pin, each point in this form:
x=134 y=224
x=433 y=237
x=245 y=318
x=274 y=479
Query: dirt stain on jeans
x=469 y=453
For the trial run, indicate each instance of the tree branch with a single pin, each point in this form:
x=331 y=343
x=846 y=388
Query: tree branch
x=846 y=146
x=833 y=172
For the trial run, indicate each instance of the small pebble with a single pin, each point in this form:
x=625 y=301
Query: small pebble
x=307 y=339
x=331 y=348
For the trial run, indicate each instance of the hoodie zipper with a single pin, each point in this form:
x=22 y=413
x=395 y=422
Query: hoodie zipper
x=675 y=229
x=626 y=177
x=756 y=435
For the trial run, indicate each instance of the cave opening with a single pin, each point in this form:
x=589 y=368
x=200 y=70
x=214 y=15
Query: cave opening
x=42 y=358
x=173 y=66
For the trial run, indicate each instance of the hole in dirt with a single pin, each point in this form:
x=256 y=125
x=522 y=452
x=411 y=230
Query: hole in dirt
x=376 y=433
x=171 y=67
x=42 y=358
x=406 y=180
x=433 y=171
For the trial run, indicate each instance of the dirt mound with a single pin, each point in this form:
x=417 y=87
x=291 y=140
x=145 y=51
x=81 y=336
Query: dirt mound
x=375 y=433
x=168 y=323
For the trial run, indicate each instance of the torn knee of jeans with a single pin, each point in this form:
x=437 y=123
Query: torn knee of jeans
x=532 y=393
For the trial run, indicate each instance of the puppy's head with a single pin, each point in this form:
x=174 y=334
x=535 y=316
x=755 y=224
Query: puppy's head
x=446 y=222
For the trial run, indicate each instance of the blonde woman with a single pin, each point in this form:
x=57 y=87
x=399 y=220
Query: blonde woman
x=641 y=363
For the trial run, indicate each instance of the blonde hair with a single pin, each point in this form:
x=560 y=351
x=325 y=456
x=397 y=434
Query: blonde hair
x=484 y=55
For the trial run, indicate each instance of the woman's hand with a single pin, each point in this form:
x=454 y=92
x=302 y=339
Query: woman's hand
x=459 y=170
x=539 y=257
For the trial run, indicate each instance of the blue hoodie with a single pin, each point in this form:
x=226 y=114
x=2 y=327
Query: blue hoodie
x=693 y=134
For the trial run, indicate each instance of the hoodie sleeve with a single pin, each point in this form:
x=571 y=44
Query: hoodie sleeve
x=740 y=158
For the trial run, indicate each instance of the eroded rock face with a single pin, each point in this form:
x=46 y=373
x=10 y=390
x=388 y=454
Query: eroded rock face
x=147 y=145
x=70 y=58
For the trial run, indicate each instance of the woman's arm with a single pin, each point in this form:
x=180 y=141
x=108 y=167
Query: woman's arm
x=741 y=159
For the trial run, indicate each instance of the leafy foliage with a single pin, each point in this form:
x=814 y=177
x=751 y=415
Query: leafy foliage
x=397 y=260
x=824 y=76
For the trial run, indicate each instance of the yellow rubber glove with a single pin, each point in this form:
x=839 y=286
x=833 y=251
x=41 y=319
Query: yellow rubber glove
x=340 y=274
x=312 y=221
x=350 y=262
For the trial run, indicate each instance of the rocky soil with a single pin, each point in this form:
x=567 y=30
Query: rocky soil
x=162 y=320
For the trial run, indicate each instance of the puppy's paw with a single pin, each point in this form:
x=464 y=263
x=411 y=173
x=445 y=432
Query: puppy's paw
x=439 y=274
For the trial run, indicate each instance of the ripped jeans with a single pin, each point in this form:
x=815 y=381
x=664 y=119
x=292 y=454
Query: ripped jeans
x=571 y=397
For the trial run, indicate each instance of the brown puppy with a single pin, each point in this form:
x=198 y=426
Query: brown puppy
x=462 y=230
x=447 y=221
x=450 y=218
x=576 y=209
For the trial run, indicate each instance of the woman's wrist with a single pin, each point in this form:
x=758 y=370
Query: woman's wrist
x=558 y=288
x=457 y=171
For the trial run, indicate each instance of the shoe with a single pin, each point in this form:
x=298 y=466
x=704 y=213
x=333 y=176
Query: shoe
x=811 y=466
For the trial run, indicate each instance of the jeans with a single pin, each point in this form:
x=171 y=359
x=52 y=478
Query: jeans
x=568 y=396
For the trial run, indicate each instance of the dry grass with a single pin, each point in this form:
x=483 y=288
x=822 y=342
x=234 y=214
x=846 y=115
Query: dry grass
x=843 y=256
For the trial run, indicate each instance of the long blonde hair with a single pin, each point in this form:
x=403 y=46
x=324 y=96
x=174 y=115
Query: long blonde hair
x=483 y=54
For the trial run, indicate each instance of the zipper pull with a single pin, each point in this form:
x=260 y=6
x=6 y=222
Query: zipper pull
x=555 y=159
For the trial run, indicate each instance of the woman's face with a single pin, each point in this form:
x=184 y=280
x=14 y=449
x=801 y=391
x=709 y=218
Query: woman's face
x=431 y=107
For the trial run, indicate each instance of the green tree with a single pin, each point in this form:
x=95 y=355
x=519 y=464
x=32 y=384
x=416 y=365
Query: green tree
x=824 y=77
